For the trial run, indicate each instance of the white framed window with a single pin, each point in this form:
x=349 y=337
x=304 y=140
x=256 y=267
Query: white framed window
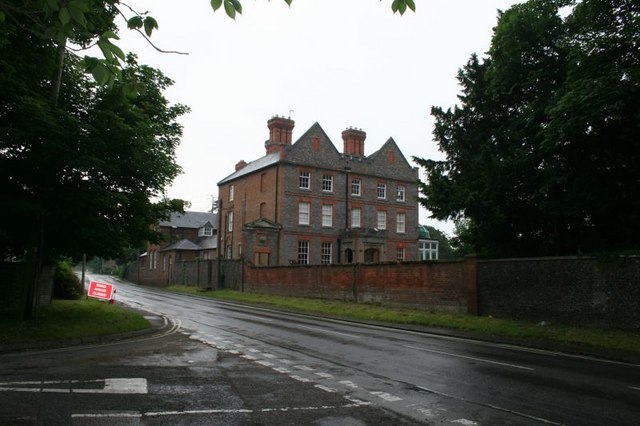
x=305 y=180
x=327 y=215
x=399 y=254
x=356 y=187
x=382 y=220
x=356 y=216
x=229 y=251
x=304 y=213
x=401 y=220
x=327 y=183
x=326 y=254
x=206 y=231
x=400 y=191
x=428 y=250
x=303 y=252
x=382 y=191
x=231 y=192
x=230 y=221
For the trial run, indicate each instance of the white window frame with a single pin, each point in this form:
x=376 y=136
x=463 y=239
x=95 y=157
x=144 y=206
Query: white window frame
x=206 y=231
x=356 y=187
x=401 y=223
x=400 y=254
x=304 y=213
x=381 y=191
x=428 y=250
x=231 y=192
x=382 y=220
x=356 y=217
x=303 y=252
x=305 y=180
x=400 y=193
x=327 y=215
x=327 y=183
x=230 y=221
x=326 y=256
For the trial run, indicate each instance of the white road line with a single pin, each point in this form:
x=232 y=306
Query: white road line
x=282 y=370
x=115 y=414
x=349 y=383
x=356 y=400
x=265 y=363
x=249 y=357
x=470 y=357
x=266 y=355
x=634 y=388
x=253 y=350
x=322 y=330
x=324 y=375
x=285 y=361
x=387 y=396
x=110 y=386
x=303 y=367
x=248 y=411
x=495 y=407
x=299 y=378
x=326 y=389
x=233 y=351
x=465 y=422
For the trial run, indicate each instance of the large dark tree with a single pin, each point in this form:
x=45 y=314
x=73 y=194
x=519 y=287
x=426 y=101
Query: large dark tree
x=79 y=175
x=543 y=151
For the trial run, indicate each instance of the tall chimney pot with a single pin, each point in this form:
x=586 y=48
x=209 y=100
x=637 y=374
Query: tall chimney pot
x=280 y=131
x=354 y=141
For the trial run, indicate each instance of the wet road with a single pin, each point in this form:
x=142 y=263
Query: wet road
x=429 y=378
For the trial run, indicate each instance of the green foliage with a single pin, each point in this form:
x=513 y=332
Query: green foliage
x=66 y=284
x=445 y=251
x=541 y=154
x=73 y=319
x=82 y=172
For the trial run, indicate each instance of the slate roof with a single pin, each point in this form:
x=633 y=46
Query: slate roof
x=253 y=166
x=207 y=243
x=182 y=245
x=194 y=220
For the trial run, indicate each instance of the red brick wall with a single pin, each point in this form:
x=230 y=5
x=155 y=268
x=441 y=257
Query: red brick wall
x=438 y=287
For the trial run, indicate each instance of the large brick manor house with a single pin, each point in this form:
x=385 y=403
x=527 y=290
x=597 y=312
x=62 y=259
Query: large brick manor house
x=307 y=203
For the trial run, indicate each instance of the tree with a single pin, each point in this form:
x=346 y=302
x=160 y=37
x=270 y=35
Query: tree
x=541 y=156
x=91 y=23
x=445 y=251
x=81 y=174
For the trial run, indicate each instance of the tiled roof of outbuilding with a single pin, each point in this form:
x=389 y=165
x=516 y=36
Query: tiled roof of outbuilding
x=194 y=220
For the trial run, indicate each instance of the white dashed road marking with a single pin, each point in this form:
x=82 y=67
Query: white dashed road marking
x=387 y=396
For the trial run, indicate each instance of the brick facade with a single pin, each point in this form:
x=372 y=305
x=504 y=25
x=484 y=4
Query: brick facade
x=299 y=204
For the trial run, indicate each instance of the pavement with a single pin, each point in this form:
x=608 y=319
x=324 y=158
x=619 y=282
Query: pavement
x=160 y=325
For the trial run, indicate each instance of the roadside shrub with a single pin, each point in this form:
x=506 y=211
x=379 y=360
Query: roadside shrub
x=66 y=284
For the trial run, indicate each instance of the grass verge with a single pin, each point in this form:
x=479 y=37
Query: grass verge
x=604 y=339
x=70 y=319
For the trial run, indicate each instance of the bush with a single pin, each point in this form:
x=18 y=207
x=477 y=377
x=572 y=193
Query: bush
x=66 y=283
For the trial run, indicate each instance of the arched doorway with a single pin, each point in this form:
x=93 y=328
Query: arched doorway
x=348 y=256
x=371 y=255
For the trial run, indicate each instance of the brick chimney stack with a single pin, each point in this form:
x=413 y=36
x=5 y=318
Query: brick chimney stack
x=241 y=165
x=280 y=130
x=354 y=141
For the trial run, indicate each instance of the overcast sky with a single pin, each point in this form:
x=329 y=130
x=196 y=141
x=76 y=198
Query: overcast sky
x=341 y=63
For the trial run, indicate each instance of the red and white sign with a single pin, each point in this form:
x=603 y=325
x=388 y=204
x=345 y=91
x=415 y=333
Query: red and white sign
x=100 y=290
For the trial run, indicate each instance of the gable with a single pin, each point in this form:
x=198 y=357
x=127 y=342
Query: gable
x=390 y=162
x=314 y=148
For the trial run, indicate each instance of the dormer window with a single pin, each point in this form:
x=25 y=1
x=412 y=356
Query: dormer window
x=206 y=231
